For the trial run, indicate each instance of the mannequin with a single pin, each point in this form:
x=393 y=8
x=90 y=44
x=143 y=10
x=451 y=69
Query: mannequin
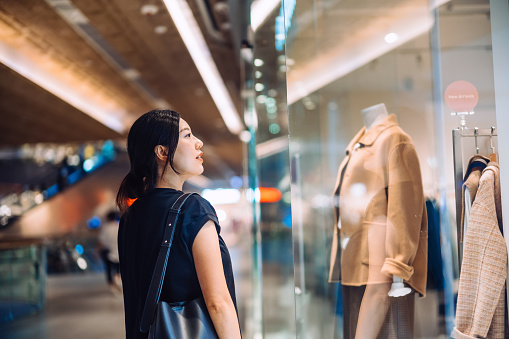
x=380 y=243
x=372 y=116
x=374 y=305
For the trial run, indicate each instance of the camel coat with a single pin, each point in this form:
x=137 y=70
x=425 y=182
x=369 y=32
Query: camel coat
x=380 y=225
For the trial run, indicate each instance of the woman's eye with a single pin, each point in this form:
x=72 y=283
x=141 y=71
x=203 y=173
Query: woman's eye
x=188 y=135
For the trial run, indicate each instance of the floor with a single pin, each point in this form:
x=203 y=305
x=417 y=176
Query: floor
x=82 y=305
x=78 y=306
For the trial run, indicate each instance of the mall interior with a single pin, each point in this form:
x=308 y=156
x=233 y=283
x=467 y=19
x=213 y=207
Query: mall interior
x=354 y=151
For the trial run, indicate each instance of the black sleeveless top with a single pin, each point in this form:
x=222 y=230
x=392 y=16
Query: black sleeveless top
x=139 y=239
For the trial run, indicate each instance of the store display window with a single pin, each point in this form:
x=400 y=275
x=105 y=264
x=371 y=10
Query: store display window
x=396 y=124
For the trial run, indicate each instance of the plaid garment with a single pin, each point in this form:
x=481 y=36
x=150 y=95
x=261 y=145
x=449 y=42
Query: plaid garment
x=481 y=302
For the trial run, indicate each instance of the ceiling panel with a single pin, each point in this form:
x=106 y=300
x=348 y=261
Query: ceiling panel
x=162 y=60
x=167 y=74
x=30 y=114
x=43 y=35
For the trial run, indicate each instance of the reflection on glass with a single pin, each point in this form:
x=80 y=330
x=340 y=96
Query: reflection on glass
x=277 y=276
x=341 y=58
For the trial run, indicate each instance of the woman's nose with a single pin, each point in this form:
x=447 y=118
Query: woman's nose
x=199 y=143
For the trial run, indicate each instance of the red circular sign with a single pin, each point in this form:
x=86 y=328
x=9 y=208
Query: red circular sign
x=461 y=96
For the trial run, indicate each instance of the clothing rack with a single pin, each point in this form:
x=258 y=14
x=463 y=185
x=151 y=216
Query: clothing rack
x=459 y=171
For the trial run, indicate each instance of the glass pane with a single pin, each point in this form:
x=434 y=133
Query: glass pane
x=277 y=276
x=22 y=281
x=376 y=90
x=343 y=59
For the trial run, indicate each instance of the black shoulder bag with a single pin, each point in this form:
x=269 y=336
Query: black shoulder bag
x=182 y=320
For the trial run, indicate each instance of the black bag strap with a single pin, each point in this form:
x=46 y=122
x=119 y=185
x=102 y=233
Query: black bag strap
x=156 y=284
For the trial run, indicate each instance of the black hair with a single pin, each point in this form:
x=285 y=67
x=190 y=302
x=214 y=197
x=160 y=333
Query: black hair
x=157 y=127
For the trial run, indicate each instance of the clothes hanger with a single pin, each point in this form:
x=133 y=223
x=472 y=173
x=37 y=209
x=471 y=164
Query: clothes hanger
x=480 y=161
x=476 y=132
x=493 y=155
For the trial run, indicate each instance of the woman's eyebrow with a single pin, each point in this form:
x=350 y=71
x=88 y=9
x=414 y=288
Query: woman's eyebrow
x=183 y=129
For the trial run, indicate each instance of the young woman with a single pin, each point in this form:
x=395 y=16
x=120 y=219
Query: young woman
x=163 y=154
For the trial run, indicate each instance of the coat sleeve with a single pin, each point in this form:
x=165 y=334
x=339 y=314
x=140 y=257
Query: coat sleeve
x=405 y=201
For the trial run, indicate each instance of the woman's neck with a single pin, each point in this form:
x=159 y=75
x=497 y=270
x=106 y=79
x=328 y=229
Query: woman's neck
x=172 y=180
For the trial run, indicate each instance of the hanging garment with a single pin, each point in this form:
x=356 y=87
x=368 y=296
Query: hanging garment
x=380 y=210
x=476 y=165
x=435 y=267
x=481 y=302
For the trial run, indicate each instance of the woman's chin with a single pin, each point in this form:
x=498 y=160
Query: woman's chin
x=197 y=173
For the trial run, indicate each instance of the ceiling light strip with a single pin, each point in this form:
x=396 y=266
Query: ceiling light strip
x=271 y=147
x=30 y=70
x=340 y=61
x=195 y=42
x=260 y=11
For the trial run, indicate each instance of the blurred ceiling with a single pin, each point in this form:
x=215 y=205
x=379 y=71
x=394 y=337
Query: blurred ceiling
x=115 y=60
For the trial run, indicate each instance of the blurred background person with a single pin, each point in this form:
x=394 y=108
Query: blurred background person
x=108 y=250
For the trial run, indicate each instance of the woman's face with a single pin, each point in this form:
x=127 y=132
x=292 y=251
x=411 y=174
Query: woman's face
x=188 y=157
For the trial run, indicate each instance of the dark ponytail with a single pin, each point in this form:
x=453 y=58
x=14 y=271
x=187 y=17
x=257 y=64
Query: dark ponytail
x=157 y=127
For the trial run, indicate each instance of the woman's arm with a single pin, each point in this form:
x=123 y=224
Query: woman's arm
x=209 y=267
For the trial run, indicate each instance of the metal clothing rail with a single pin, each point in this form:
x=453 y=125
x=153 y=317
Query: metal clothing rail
x=459 y=171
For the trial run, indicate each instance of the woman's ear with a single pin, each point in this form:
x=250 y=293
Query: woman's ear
x=161 y=152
